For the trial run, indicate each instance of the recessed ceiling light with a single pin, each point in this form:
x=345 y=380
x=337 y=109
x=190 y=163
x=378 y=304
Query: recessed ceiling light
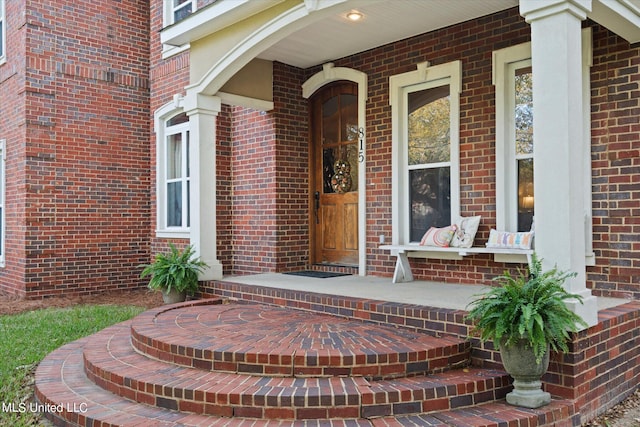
x=354 y=15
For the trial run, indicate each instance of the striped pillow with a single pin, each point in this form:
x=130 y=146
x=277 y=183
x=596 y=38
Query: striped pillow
x=505 y=239
x=440 y=237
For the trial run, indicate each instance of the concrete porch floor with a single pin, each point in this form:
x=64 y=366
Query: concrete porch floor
x=432 y=294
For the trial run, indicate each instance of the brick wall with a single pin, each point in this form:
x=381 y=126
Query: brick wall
x=292 y=169
x=85 y=151
x=12 y=131
x=254 y=215
x=615 y=149
x=224 y=199
x=471 y=42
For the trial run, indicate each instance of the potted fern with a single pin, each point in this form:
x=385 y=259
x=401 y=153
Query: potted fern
x=526 y=317
x=175 y=273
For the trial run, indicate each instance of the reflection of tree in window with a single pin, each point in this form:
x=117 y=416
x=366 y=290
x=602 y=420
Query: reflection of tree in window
x=524 y=146
x=429 y=155
x=430 y=198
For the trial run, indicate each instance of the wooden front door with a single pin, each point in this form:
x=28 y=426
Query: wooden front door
x=334 y=174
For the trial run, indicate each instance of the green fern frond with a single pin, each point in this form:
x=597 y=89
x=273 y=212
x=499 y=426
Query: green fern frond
x=528 y=306
x=176 y=270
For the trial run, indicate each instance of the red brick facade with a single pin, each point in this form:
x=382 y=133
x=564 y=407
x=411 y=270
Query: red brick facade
x=81 y=195
x=81 y=85
x=269 y=158
x=77 y=145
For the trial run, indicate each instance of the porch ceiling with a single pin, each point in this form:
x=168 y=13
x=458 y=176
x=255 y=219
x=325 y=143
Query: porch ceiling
x=383 y=22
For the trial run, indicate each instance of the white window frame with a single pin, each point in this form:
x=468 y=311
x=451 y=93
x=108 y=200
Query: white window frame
x=167 y=19
x=449 y=74
x=169 y=10
x=3 y=211
x=510 y=60
x=161 y=117
x=505 y=62
x=3 y=33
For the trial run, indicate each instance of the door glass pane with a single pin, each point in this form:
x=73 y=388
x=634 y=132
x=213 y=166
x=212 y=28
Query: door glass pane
x=174 y=204
x=429 y=126
x=349 y=117
x=430 y=198
x=330 y=121
x=351 y=157
x=339 y=142
x=174 y=156
x=328 y=159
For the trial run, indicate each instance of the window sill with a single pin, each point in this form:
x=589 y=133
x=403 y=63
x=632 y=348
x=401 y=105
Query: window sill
x=173 y=234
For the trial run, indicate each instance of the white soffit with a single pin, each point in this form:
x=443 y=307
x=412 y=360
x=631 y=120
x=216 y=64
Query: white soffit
x=383 y=22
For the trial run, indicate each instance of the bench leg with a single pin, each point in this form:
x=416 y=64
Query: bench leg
x=402 y=272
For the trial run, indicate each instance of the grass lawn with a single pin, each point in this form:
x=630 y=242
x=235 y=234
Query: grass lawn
x=27 y=338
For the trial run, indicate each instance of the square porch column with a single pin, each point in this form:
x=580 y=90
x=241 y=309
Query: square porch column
x=556 y=54
x=203 y=111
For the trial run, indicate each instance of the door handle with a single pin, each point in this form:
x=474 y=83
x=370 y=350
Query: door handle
x=317 y=206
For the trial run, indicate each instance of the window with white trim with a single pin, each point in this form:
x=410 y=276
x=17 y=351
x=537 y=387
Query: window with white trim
x=515 y=163
x=173 y=176
x=2 y=200
x=3 y=32
x=425 y=118
x=177 y=10
x=512 y=77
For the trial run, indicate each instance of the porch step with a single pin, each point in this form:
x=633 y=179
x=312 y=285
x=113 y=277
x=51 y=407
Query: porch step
x=73 y=400
x=273 y=341
x=103 y=380
x=114 y=365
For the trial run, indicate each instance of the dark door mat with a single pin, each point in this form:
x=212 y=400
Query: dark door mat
x=317 y=274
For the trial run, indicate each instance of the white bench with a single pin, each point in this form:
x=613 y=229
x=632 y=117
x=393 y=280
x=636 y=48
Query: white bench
x=403 y=272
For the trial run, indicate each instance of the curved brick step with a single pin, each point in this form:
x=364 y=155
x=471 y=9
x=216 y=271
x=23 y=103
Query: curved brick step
x=559 y=413
x=70 y=398
x=267 y=340
x=114 y=365
x=60 y=380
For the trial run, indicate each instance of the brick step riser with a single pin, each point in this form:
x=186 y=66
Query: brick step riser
x=389 y=366
x=375 y=360
x=60 y=378
x=360 y=401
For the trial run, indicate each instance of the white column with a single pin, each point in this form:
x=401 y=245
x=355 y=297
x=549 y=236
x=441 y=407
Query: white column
x=202 y=111
x=556 y=55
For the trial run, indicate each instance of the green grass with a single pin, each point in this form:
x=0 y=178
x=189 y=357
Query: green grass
x=25 y=339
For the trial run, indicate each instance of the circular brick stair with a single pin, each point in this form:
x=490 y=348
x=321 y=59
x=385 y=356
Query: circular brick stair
x=210 y=363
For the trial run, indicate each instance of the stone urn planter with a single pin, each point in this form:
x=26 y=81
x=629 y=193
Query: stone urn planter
x=526 y=316
x=173 y=296
x=520 y=362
